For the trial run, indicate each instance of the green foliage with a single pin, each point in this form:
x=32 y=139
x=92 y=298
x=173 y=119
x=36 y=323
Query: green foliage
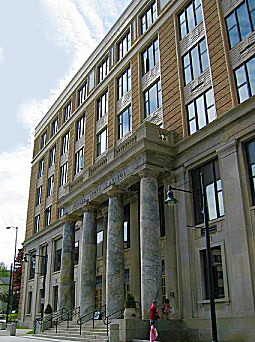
x=4 y=297
x=13 y=317
x=30 y=332
x=130 y=301
x=3 y=270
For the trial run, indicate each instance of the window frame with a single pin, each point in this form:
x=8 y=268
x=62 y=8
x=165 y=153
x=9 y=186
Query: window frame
x=63 y=175
x=78 y=164
x=127 y=110
x=145 y=14
x=195 y=19
x=43 y=139
x=99 y=151
x=158 y=100
x=125 y=39
x=40 y=168
x=125 y=76
x=65 y=143
x=103 y=69
x=37 y=224
x=39 y=195
x=54 y=126
x=52 y=158
x=104 y=97
x=48 y=216
x=50 y=187
x=67 y=111
x=80 y=127
x=250 y=165
x=145 y=56
x=82 y=93
x=247 y=77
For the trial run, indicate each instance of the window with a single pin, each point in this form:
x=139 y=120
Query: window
x=201 y=111
x=55 y=299
x=124 y=123
x=245 y=80
x=213 y=187
x=152 y=99
x=241 y=22
x=63 y=174
x=103 y=69
x=124 y=45
x=150 y=57
x=52 y=156
x=148 y=17
x=48 y=216
x=44 y=260
x=32 y=266
x=217 y=273
x=126 y=226
x=250 y=148
x=80 y=128
x=29 y=302
x=100 y=240
x=61 y=212
x=124 y=83
x=163 y=280
x=127 y=287
x=195 y=61
x=54 y=126
x=161 y=199
x=83 y=93
x=40 y=168
x=102 y=142
x=190 y=17
x=76 y=253
x=67 y=111
x=102 y=105
x=37 y=223
x=79 y=161
x=57 y=255
x=65 y=143
x=43 y=139
x=99 y=293
x=39 y=195
x=50 y=186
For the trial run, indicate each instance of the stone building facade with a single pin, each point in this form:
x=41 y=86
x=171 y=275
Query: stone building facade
x=168 y=93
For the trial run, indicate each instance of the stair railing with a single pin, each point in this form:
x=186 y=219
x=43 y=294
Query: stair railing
x=66 y=316
x=119 y=314
x=92 y=316
x=49 y=318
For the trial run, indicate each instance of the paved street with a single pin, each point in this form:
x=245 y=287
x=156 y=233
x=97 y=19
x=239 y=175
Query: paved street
x=22 y=337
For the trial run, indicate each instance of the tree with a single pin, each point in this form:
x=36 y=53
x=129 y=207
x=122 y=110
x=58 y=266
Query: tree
x=3 y=270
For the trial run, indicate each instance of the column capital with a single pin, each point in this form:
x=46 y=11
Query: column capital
x=149 y=172
x=115 y=190
x=69 y=218
x=89 y=207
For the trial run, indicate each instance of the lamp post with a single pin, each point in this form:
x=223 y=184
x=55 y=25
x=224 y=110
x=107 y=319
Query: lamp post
x=9 y=303
x=45 y=260
x=170 y=200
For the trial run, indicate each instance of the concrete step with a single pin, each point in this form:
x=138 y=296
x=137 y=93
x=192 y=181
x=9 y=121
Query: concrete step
x=60 y=337
x=76 y=333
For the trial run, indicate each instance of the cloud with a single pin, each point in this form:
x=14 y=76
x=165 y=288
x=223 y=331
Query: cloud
x=14 y=185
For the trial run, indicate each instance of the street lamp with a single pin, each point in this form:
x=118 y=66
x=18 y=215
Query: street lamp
x=170 y=200
x=45 y=260
x=9 y=303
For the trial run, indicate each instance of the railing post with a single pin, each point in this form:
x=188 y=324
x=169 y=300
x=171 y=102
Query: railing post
x=107 y=325
x=80 y=327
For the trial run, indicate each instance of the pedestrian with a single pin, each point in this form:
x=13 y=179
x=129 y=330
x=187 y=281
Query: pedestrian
x=153 y=332
x=154 y=315
x=166 y=308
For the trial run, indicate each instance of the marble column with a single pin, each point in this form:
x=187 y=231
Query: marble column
x=88 y=261
x=149 y=243
x=67 y=266
x=105 y=220
x=115 y=255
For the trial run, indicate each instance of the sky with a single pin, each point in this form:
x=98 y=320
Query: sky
x=43 y=43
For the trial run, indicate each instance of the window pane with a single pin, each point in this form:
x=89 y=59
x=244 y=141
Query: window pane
x=211 y=112
x=210 y=195
x=243 y=20
x=251 y=5
x=153 y=99
x=190 y=17
x=201 y=112
x=187 y=69
x=183 y=25
x=232 y=30
x=198 y=11
x=241 y=84
x=150 y=55
x=124 y=83
x=203 y=53
x=251 y=74
x=195 y=62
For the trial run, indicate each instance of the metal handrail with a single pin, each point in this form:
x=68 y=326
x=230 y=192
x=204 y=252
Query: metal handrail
x=67 y=316
x=91 y=316
x=49 y=318
x=120 y=316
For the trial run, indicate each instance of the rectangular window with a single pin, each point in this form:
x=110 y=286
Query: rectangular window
x=37 y=223
x=201 y=111
x=32 y=266
x=148 y=17
x=100 y=240
x=152 y=99
x=43 y=139
x=195 y=61
x=102 y=142
x=124 y=83
x=65 y=143
x=83 y=93
x=124 y=45
x=80 y=128
x=161 y=199
x=250 y=148
x=63 y=174
x=217 y=273
x=124 y=123
x=48 y=216
x=54 y=126
x=245 y=80
x=102 y=105
x=57 y=255
x=241 y=22
x=150 y=57
x=55 y=299
x=50 y=186
x=213 y=188
x=29 y=302
x=39 y=195
x=79 y=161
x=126 y=226
x=52 y=156
x=127 y=287
x=43 y=260
x=190 y=17
x=67 y=111
x=61 y=212
x=40 y=168
x=103 y=69
x=76 y=253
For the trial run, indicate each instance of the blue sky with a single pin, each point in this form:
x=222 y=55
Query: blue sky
x=42 y=44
